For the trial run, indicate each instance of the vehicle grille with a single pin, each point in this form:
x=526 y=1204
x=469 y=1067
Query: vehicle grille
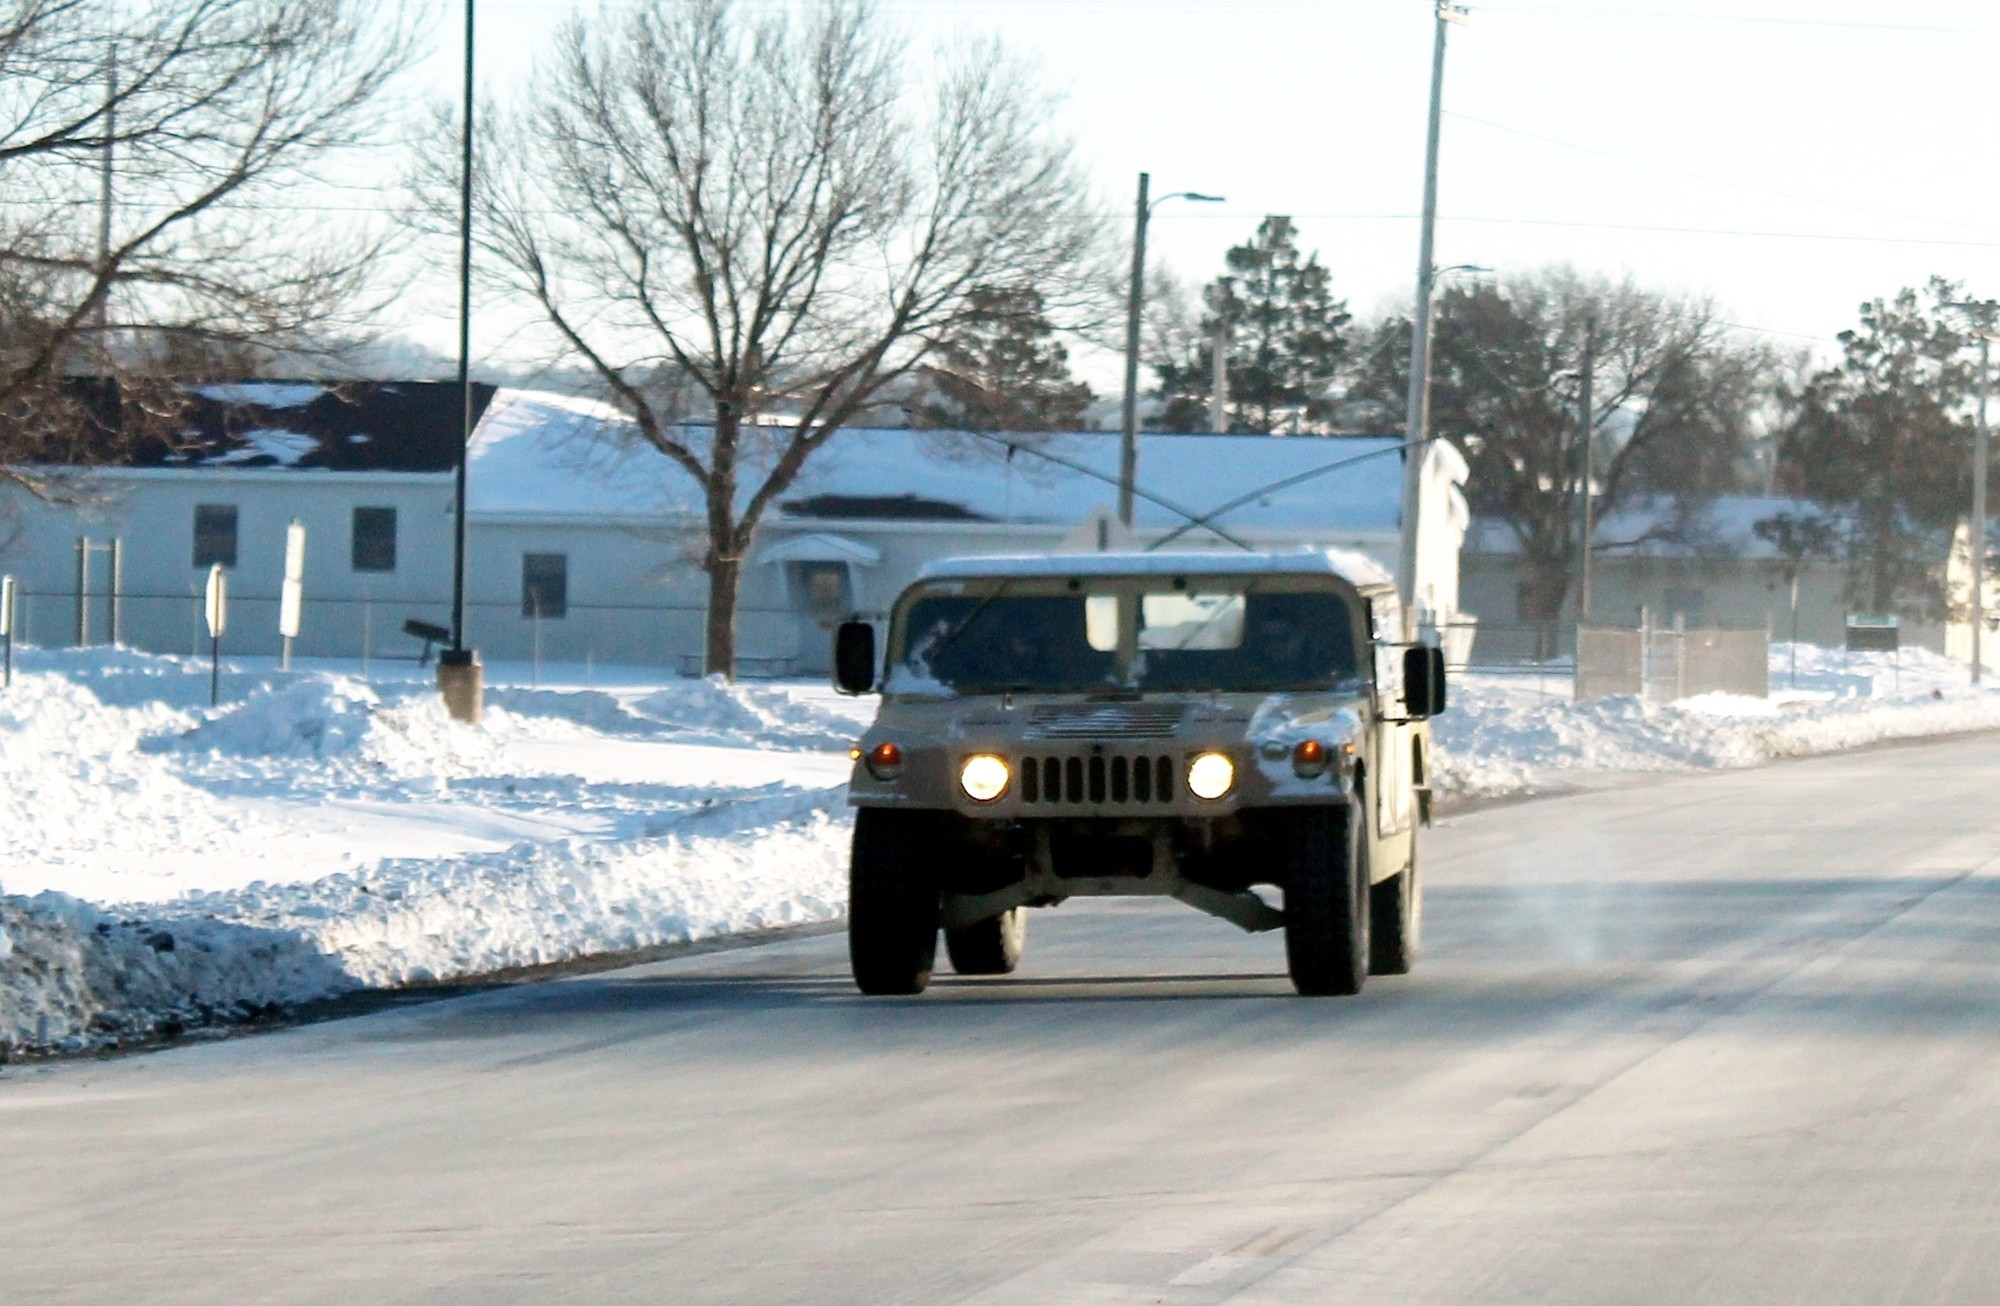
x=1079 y=781
x=1104 y=720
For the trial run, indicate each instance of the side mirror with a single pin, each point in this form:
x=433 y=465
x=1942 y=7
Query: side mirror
x=854 y=657
x=1423 y=681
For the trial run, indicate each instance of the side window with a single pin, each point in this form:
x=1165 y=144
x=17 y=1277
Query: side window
x=1385 y=624
x=544 y=584
x=374 y=539
x=214 y=535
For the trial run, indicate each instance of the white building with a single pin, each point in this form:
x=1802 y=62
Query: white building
x=584 y=545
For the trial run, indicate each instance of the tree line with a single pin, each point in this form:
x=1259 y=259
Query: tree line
x=754 y=228
x=1875 y=445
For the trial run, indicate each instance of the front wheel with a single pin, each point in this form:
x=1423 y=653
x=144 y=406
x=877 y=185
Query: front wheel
x=1396 y=908
x=1326 y=900
x=989 y=947
x=892 y=902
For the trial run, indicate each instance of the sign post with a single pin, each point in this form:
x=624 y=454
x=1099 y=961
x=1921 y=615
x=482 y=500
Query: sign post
x=7 y=628
x=292 y=594
x=216 y=608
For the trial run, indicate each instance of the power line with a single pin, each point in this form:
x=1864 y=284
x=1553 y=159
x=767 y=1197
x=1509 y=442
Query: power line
x=1717 y=181
x=1682 y=17
x=1607 y=226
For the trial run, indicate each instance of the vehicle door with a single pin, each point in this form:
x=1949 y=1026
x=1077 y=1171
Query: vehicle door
x=1394 y=800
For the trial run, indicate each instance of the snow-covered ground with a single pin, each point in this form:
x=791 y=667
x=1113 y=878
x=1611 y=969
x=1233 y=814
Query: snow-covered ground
x=170 y=865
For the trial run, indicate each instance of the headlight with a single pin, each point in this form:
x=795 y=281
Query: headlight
x=1210 y=776
x=984 y=777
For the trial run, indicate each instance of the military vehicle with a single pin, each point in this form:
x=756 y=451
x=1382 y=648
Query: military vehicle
x=1208 y=727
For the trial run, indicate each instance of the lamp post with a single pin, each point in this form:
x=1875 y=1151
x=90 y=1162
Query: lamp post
x=461 y=680
x=1417 y=420
x=1128 y=448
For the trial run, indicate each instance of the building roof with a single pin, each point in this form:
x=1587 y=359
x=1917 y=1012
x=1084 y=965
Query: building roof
x=345 y=426
x=546 y=455
x=1664 y=528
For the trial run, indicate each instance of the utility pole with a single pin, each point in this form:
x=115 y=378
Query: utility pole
x=1417 y=420
x=1982 y=313
x=460 y=679
x=1128 y=444
x=1218 y=406
x=1586 y=429
x=1979 y=456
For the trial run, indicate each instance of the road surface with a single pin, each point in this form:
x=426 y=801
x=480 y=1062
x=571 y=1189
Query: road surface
x=1730 y=1038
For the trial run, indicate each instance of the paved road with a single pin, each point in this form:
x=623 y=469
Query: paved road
x=1723 y=1039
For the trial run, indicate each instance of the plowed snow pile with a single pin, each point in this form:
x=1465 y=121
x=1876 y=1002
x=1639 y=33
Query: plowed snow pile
x=172 y=866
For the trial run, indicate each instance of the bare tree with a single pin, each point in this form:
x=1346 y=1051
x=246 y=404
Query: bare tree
x=1674 y=403
x=205 y=114
x=776 y=210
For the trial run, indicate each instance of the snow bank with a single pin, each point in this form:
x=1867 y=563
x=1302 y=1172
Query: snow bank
x=117 y=774
x=77 y=977
x=1505 y=735
x=731 y=867
x=74 y=976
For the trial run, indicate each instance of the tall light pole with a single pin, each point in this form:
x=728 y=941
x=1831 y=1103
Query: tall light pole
x=1417 y=420
x=1982 y=312
x=460 y=679
x=1128 y=447
x=1586 y=434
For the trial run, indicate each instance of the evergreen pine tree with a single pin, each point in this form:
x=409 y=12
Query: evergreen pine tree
x=1002 y=369
x=1286 y=336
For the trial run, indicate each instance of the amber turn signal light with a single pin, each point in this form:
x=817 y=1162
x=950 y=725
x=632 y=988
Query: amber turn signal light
x=885 y=761
x=1309 y=759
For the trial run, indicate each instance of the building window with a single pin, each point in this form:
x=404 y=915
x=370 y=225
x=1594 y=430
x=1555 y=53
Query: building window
x=214 y=534
x=825 y=590
x=544 y=584
x=374 y=539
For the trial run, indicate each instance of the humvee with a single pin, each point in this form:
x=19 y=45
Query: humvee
x=1193 y=725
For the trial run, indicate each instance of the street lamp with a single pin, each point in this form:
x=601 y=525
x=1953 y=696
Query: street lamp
x=1982 y=313
x=460 y=679
x=1128 y=449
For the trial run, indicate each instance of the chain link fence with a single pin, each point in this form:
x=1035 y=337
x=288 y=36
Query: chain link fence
x=1667 y=663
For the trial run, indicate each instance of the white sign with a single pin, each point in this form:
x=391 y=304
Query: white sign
x=292 y=594
x=216 y=603
x=6 y=605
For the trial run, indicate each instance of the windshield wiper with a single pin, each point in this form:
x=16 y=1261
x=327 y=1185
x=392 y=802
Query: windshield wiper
x=952 y=635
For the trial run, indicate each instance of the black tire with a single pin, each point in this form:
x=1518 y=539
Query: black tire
x=892 y=901
x=1396 y=919
x=1326 y=901
x=989 y=947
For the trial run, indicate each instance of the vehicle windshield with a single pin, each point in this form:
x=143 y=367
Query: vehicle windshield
x=1199 y=637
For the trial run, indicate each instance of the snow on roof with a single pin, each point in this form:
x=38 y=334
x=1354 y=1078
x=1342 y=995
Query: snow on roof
x=1357 y=569
x=545 y=454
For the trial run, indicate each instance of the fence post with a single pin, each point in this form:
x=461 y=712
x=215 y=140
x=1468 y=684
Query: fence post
x=1680 y=656
x=82 y=591
x=7 y=627
x=535 y=606
x=1645 y=653
x=117 y=589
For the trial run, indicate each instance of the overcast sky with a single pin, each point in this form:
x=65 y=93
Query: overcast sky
x=1789 y=158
